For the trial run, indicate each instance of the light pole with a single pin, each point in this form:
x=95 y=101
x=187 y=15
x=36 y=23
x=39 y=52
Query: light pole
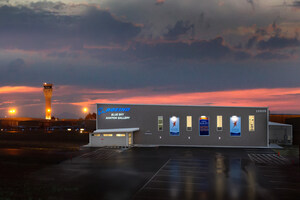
x=85 y=111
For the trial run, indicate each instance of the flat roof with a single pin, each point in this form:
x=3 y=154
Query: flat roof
x=180 y=105
x=116 y=130
x=278 y=124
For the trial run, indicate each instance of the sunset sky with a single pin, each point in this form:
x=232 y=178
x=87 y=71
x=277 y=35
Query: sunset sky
x=194 y=52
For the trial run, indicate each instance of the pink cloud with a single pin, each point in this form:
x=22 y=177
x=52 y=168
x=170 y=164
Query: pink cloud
x=278 y=99
x=19 y=89
x=159 y=2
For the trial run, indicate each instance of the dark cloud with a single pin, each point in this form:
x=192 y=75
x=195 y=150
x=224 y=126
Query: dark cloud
x=215 y=50
x=179 y=29
x=47 y=5
x=25 y=28
x=16 y=65
x=251 y=42
x=271 y=56
x=197 y=50
x=277 y=43
x=241 y=55
x=261 y=31
x=296 y=4
x=251 y=3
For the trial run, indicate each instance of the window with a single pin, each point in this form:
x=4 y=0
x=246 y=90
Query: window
x=120 y=135
x=174 y=126
x=235 y=126
x=97 y=134
x=107 y=135
x=188 y=123
x=160 y=123
x=219 y=123
x=204 y=126
x=251 y=123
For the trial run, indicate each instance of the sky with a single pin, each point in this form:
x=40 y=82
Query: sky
x=192 y=52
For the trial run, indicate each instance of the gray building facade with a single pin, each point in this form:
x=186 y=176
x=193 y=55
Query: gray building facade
x=180 y=125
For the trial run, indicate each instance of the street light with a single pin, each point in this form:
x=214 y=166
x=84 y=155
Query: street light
x=85 y=109
x=12 y=111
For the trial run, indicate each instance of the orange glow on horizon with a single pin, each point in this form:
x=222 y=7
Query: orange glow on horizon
x=19 y=89
x=278 y=99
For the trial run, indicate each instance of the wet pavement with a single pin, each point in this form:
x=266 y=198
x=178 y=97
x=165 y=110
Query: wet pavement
x=165 y=173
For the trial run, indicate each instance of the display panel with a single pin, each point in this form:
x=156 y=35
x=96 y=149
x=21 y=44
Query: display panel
x=160 y=123
x=188 y=123
x=203 y=126
x=219 y=123
x=251 y=123
x=174 y=126
x=235 y=126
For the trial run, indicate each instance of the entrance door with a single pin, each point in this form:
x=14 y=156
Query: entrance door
x=129 y=139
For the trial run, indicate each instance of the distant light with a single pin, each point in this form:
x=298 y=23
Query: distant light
x=49 y=110
x=82 y=129
x=12 y=111
x=69 y=129
x=85 y=109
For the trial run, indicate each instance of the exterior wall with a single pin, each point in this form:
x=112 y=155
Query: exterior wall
x=281 y=135
x=145 y=117
x=100 y=141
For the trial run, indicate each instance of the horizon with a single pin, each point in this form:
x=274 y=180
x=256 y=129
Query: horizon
x=210 y=53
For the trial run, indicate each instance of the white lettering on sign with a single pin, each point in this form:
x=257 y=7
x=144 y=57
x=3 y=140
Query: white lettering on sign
x=261 y=111
x=116 y=116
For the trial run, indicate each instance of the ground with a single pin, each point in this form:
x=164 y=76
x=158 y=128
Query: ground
x=147 y=173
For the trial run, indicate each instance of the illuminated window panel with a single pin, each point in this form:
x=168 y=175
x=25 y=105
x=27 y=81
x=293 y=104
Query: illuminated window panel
x=251 y=123
x=107 y=135
x=204 y=126
x=188 y=123
x=219 y=123
x=97 y=134
x=174 y=126
x=160 y=123
x=120 y=135
x=235 y=126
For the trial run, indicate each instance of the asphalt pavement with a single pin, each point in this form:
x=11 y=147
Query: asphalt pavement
x=165 y=173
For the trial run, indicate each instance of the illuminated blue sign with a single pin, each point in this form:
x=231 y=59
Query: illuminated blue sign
x=102 y=111
x=204 y=125
x=235 y=126
x=174 y=126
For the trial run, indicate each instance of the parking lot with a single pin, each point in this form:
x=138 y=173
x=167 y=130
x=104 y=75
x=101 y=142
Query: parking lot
x=167 y=173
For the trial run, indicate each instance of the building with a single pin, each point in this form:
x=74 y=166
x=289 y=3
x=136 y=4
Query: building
x=179 y=125
x=281 y=133
x=48 y=94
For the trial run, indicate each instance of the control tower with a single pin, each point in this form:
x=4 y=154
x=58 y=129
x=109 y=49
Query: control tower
x=48 y=94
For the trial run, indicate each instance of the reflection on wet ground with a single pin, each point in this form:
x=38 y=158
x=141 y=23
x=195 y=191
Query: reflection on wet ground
x=211 y=177
x=164 y=173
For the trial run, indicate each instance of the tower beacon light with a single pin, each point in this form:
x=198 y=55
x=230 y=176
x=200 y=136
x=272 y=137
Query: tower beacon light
x=48 y=94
